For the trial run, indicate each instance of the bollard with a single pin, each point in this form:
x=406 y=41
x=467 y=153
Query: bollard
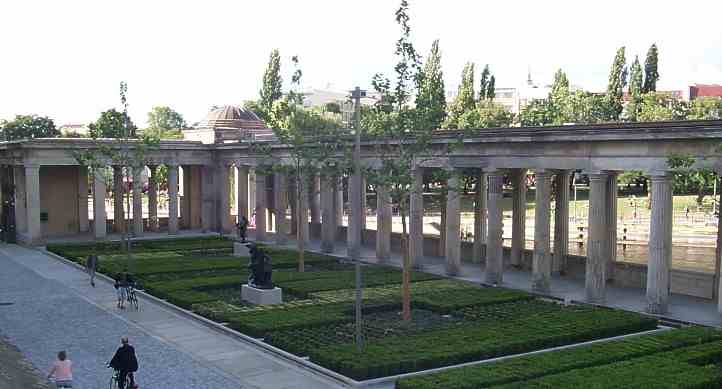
x=624 y=239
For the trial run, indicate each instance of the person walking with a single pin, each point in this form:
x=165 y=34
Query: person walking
x=62 y=370
x=125 y=362
x=242 y=228
x=91 y=265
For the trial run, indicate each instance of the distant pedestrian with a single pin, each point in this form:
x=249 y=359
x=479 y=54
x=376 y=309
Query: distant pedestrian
x=242 y=228
x=62 y=370
x=91 y=265
x=686 y=213
x=125 y=362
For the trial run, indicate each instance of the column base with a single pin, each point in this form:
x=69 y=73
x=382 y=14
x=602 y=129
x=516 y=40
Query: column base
x=656 y=308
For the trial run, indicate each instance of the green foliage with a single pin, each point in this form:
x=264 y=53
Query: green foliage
x=705 y=108
x=28 y=127
x=659 y=106
x=491 y=88
x=431 y=97
x=687 y=178
x=111 y=124
x=530 y=367
x=333 y=107
x=651 y=75
x=165 y=123
x=635 y=90
x=537 y=113
x=617 y=82
x=486 y=114
x=272 y=82
x=465 y=98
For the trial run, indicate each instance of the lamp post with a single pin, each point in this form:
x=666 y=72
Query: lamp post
x=355 y=229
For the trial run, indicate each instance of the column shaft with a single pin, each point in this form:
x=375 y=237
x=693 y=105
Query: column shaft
x=416 y=218
x=242 y=195
x=224 y=198
x=494 y=254
x=99 y=216
x=260 y=206
x=172 y=199
x=561 y=223
x=541 y=263
x=660 y=245
x=137 y=202
x=328 y=217
x=383 y=223
x=355 y=194
x=185 y=204
x=21 y=211
x=480 y=217
x=302 y=209
x=32 y=192
x=153 y=199
x=83 y=225
x=118 y=199
x=518 y=226
x=280 y=188
x=453 y=221
x=208 y=193
x=596 y=267
x=315 y=196
x=611 y=221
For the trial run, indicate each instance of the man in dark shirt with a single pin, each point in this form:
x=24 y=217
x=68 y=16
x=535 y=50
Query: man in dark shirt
x=125 y=362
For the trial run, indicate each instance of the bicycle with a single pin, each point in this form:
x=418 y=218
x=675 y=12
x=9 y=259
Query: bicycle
x=115 y=380
x=132 y=298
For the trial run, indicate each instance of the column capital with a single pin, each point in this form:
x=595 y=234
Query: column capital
x=660 y=174
x=543 y=173
x=493 y=172
x=596 y=174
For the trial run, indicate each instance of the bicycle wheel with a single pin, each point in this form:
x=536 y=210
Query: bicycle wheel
x=113 y=381
x=133 y=299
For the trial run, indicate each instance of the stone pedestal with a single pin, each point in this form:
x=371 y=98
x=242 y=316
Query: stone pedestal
x=240 y=250
x=261 y=296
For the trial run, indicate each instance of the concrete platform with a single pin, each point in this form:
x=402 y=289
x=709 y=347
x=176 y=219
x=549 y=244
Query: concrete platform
x=261 y=296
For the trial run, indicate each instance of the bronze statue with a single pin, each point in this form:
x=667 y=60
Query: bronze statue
x=260 y=267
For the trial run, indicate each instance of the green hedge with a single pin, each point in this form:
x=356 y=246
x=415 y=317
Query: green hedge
x=259 y=324
x=448 y=301
x=534 y=366
x=346 y=280
x=478 y=340
x=100 y=248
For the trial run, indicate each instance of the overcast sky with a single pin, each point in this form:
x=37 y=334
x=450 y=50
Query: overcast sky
x=65 y=58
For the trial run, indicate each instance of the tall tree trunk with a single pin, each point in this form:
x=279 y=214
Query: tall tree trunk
x=406 y=272
x=301 y=218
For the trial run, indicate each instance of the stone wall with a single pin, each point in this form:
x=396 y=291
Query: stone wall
x=58 y=185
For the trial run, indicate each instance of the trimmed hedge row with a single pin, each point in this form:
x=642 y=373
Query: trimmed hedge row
x=142 y=245
x=534 y=366
x=259 y=324
x=448 y=301
x=478 y=340
x=675 y=369
x=345 y=280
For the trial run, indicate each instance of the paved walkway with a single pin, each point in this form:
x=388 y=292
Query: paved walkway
x=684 y=308
x=54 y=308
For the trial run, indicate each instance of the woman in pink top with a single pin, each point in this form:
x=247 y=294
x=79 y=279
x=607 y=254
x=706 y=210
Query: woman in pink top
x=63 y=371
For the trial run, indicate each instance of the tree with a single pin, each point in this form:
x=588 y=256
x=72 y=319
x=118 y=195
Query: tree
x=431 y=99
x=272 y=82
x=465 y=98
x=127 y=152
x=165 y=123
x=113 y=124
x=28 y=127
x=658 y=106
x=484 y=83
x=537 y=113
x=651 y=75
x=491 y=88
x=486 y=114
x=617 y=82
x=705 y=108
x=687 y=178
x=635 y=90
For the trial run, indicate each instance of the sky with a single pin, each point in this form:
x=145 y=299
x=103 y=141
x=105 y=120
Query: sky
x=65 y=59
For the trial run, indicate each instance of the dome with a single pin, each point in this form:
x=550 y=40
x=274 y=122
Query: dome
x=229 y=124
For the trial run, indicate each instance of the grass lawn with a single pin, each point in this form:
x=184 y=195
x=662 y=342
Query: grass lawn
x=453 y=321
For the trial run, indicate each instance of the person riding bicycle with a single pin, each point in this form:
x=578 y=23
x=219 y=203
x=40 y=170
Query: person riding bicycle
x=123 y=281
x=125 y=362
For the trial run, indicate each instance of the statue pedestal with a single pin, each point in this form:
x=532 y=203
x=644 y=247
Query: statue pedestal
x=240 y=250
x=261 y=296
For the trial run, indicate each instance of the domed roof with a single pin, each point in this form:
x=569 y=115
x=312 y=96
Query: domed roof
x=229 y=124
x=232 y=117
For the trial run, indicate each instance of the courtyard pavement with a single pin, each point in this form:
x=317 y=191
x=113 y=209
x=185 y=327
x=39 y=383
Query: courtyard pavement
x=54 y=308
x=682 y=308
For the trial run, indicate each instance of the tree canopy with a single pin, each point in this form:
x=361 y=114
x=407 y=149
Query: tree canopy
x=617 y=82
x=272 y=82
x=651 y=74
x=28 y=127
x=635 y=90
x=165 y=123
x=111 y=124
x=431 y=98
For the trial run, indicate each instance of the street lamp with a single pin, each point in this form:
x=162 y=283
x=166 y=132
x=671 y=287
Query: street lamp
x=355 y=229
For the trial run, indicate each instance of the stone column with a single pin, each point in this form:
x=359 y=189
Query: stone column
x=118 y=199
x=32 y=192
x=83 y=224
x=137 y=202
x=355 y=195
x=242 y=195
x=494 y=254
x=328 y=217
x=596 y=267
x=542 y=261
x=364 y=205
x=208 y=193
x=416 y=218
x=21 y=211
x=153 y=199
x=611 y=220
x=186 y=199
x=303 y=210
x=281 y=205
x=383 y=223
x=561 y=223
x=660 y=244
x=718 y=251
x=292 y=203
x=518 y=226
x=252 y=191
x=172 y=199
x=224 y=198
x=100 y=229
x=315 y=196
x=260 y=207
x=338 y=202
x=480 y=216
x=453 y=221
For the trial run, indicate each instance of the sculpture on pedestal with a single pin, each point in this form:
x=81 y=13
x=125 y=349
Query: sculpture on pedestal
x=260 y=267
